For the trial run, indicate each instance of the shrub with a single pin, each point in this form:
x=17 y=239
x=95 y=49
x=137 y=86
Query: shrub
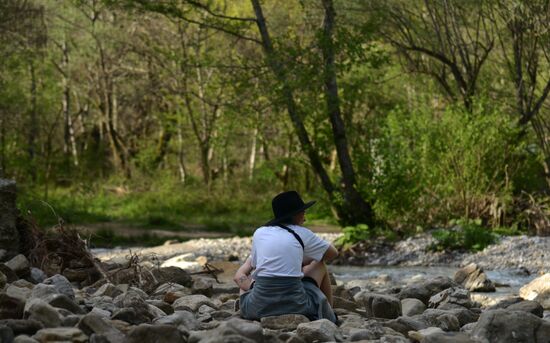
x=465 y=235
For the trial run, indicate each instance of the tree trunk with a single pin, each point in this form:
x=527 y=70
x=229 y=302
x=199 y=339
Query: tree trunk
x=277 y=67
x=181 y=157
x=252 y=157
x=33 y=123
x=69 y=146
x=355 y=209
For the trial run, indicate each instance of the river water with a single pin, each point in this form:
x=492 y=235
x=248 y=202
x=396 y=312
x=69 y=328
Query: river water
x=382 y=277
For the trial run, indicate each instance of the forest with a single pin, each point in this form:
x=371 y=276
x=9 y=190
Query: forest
x=397 y=116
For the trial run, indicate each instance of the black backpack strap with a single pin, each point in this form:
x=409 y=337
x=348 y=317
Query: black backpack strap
x=294 y=234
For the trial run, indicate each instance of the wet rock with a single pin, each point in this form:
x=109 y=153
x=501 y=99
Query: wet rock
x=423 y=291
x=412 y=306
x=288 y=322
x=11 y=308
x=61 y=335
x=94 y=324
x=322 y=330
x=454 y=295
x=511 y=326
x=22 y=326
x=20 y=265
x=474 y=279
x=61 y=285
x=538 y=290
x=379 y=305
x=40 y=311
x=9 y=236
x=192 y=303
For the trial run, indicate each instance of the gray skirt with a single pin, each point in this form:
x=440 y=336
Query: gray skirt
x=273 y=296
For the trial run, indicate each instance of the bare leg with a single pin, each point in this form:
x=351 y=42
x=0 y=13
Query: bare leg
x=318 y=271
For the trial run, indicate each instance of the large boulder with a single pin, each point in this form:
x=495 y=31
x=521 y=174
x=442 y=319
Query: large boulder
x=322 y=330
x=538 y=290
x=511 y=326
x=379 y=305
x=412 y=306
x=474 y=279
x=451 y=297
x=423 y=291
x=9 y=236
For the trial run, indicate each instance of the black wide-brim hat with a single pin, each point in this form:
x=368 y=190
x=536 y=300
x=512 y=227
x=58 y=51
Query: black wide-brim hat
x=286 y=205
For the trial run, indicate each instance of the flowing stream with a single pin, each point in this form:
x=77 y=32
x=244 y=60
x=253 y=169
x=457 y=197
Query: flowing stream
x=508 y=281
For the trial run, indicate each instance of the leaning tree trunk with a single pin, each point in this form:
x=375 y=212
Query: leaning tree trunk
x=355 y=209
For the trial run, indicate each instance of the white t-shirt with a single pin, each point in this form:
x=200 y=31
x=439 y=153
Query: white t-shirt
x=276 y=252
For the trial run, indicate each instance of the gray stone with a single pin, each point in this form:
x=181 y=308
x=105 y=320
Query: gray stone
x=94 y=324
x=435 y=335
x=11 y=308
x=70 y=320
x=179 y=318
x=61 y=335
x=424 y=290
x=171 y=287
x=131 y=316
x=21 y=293
x=10 y=274
x=3 y=280
x=164 y=306
x=322 y=330
x=22 y=326
x=379 y=305
x=61 y=285
x=343 y=303
x=24 y=339
x=42 y=312
x=20 y=265
x=107 y=289
x=157 y=276
x=37 y=275
x=527 y=306
x=538 y=290
x=154 y=333
x=43 y=292
x=249 y=329
x=6 y=334
x=412 y=306
x=474 y=279
x=464 y=316
x=454 y=295
x=405 y=324
x=9 y=236
x=511 y=326
x=202 y=285
x=64 y=302
x=192 y=303
x=288 y=322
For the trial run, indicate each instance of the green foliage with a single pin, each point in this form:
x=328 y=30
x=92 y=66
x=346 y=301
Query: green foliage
x=431 y=166
x=465 y=235
x=354 y=234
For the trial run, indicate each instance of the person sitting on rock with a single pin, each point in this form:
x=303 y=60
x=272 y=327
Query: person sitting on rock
x=286 y=271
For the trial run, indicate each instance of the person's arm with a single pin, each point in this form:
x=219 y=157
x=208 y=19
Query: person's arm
x=242 y=276
x=330 y=254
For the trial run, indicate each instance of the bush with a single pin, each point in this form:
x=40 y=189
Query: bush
x=432 y=166
x=465 y=235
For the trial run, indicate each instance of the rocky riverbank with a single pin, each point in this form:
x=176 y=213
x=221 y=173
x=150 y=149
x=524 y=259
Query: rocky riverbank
x=524 y=253
x=139 y=302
